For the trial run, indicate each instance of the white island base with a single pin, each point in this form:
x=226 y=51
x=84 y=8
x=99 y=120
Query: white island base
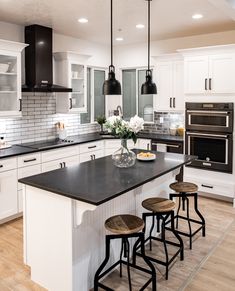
x=64 y=239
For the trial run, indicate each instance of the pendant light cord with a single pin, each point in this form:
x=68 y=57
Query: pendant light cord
x=148 y=35
x=111 y=33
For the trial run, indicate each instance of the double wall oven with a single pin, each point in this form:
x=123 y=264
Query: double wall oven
x=209 y=135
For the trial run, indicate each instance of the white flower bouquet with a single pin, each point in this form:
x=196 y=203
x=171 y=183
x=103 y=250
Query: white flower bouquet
x=124 y=129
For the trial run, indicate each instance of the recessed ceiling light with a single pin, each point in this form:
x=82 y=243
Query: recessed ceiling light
x=197 y=16
x=140 y=26
x=82 y=20
x=119 y=38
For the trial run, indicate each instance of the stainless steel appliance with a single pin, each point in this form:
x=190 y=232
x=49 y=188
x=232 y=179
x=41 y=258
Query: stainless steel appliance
x=209 y=135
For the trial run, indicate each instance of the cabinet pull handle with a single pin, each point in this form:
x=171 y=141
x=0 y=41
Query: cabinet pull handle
x=207 y=186
x=173 y=146
x=92 y=147
x=170 y=102
x=91 y=157
x=210 y=84
x=206 y=84
x=30 y=160
x=61 y=165
x=1 y=166
x=20 y=105
x=71 y=103
x=174 y=102
x=64 y=164
x=94 y=157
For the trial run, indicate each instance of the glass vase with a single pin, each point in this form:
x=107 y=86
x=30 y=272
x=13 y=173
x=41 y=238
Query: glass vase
x=123 y=157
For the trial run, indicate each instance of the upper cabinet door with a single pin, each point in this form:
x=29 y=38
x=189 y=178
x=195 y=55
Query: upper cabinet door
x=196 y=75
x=164 y=76
x=221 y=74
x=178 y=85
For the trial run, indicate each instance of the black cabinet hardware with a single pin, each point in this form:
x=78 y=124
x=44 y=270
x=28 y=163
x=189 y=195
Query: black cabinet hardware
x=30 y=160
x=91 y=157
x=210 y=84
x=94 y=157
x=64 y=164
x=71 y=103
x=170 y=102
x=207 y=186
x=92 y=147
x=1 y=166
x=205 y=84
x=20 y=104
x=61 y=165
x=174 y=102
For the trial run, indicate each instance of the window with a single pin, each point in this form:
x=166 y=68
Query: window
x=95 y=98
x=133 y=101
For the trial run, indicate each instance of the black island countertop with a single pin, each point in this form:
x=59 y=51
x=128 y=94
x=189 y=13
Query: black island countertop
x=99 y=181
x=27 y=148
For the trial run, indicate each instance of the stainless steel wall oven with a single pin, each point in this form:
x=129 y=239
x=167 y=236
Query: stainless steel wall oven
x=209 y=135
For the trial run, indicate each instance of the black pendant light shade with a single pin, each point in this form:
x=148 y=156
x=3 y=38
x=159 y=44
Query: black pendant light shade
x=111 y=86
x=148 y=88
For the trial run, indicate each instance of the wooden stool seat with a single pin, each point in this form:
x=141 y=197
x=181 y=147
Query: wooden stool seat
x=158 y=204
x=184 y=187
x=124 y=224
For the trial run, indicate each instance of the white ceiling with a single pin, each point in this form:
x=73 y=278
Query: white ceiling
x=170 y=18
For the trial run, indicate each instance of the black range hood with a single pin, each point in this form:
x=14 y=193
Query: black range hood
x=39 y=61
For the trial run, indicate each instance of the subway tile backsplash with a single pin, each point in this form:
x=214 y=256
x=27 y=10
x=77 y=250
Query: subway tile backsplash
x=38 y=120
x=163 y=121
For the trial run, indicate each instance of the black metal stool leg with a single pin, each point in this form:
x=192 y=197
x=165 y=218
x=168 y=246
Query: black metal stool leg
x=165 y=245
x=177 y=213
x=107 y=255
x=177 y=236
x=127 y=244
x=121 y=254
x=199 y=214
x=148 y=262
x=158 y=224
x=183 y=200
x=189 y=224
x=150 y=233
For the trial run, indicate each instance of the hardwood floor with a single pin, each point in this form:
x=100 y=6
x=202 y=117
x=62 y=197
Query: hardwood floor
x=209 y=266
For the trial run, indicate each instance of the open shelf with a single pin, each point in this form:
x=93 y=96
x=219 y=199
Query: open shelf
x=8 y=74
x=8 y=91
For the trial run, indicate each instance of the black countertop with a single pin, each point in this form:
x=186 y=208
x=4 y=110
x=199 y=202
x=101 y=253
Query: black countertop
x=98 y=181
x=16 y=150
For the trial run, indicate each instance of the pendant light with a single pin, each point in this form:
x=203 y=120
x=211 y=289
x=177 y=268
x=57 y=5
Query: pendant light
x=148 y=87
x=111 y=86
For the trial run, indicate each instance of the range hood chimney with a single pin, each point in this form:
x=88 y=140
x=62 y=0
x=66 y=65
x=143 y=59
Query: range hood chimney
x=39 y=61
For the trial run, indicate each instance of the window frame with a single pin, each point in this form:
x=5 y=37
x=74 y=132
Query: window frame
x=137 y=69
x=93 y=69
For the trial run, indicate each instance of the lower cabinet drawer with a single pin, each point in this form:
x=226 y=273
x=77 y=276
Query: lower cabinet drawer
x=28 y=171
x=91 y=147
x=61 y=163
x=29 y=160
x=212 y=187
x=8 y=164
x=61 y=153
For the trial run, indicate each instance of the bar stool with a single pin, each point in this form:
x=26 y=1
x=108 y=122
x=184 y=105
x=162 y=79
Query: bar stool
x=162 y=209
x=124 y=227
x=184 y=191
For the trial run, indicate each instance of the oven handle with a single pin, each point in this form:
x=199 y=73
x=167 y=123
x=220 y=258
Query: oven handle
x=207 y=134
x=208 y=112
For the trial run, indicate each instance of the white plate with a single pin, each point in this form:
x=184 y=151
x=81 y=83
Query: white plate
x=146 y=158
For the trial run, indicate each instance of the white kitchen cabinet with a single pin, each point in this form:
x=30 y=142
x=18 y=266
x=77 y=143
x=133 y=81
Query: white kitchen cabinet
x=91 y=156
x=8 y=194
x=60 y=163
x=10 y=78
x=22 y=173
x=61 y=153
x=170 y=84
x=71 y=71
x=209 y=70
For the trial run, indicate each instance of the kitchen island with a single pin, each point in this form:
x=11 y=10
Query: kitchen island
x=65 y=211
